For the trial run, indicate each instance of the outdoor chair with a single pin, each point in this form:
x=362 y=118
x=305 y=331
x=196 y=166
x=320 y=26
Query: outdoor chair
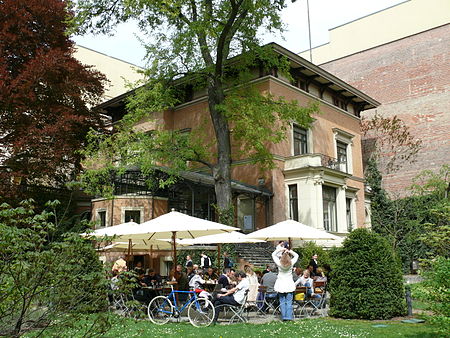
x=267 y=301
x=232 y=313
x=307 y=305
x=127 y=305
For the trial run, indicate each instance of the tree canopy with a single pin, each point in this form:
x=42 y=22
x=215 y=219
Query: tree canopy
x=45 y=93
x=198 y=41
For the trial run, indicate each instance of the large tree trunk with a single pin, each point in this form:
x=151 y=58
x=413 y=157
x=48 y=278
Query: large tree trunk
x=222 y=169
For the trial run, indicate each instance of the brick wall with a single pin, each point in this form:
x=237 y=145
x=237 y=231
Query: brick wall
x=411 y=79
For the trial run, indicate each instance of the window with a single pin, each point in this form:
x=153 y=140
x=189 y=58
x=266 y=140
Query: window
x=300 y=140
x=133 y=216
x=348 y=205
x=339 y=103
x=293 y=202
x=329 y=208
x=101 y=217
x=344 y=141
x=341 y=150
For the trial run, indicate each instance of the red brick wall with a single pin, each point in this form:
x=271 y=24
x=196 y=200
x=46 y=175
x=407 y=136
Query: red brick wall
x=411 y=79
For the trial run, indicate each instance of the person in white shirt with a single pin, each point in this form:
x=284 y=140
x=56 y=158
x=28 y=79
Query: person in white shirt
x=234 y=296
x=285 y=284
x=308 y=282
x=196 y=284
x=205 y=261
x=197 y=280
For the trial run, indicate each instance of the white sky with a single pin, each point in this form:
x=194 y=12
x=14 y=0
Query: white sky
x=324 y=14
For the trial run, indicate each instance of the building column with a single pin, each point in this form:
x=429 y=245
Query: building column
x=341 y=209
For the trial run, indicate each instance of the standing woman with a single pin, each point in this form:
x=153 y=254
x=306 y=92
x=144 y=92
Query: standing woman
x=285 y=283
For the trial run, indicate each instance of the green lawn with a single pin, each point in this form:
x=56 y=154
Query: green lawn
x=303 y=328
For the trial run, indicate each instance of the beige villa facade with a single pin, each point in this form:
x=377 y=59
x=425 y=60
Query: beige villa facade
x=318 y=179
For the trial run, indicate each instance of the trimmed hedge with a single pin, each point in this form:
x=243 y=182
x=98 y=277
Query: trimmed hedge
x=367 y=279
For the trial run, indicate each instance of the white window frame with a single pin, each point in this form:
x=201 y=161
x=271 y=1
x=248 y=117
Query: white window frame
x=353 y=198
x=140 y=209
x=346 y=138
x=97 y=217
x=309 y=144
x=333 y=217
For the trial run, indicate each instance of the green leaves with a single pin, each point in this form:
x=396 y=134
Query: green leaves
x=367 y=280
x=259 y=120
x=41 y=280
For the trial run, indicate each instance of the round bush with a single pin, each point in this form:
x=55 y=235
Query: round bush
x=367 y=279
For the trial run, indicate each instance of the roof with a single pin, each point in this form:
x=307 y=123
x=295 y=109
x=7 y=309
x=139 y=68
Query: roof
x=308 y=69
x=206 y=179
x=325 y=78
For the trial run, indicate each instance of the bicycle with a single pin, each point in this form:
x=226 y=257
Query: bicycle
x=200 y=310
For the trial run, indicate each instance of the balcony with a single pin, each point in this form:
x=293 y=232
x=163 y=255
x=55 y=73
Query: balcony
x=315 y=160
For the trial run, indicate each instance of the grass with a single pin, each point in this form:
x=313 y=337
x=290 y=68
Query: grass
x=322 y=327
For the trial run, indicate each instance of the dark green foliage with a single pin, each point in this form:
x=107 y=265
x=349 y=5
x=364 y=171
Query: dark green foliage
x=405 y=221
x=44 y=282
x=306 y=252
x=367 y=280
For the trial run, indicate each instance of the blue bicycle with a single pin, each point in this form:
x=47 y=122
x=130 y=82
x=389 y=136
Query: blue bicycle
x=200 y=310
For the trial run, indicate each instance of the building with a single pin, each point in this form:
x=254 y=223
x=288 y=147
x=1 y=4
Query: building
x=118 y=72
x=318 y=179
x=400 y=56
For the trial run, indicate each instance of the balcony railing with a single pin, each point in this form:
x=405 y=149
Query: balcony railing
x=315 y=160
x=333 y=163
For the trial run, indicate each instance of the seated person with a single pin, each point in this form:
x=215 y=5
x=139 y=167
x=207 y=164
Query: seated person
x=320 y=275
x=234 y=296
x=196 y=284
x=120 y=265
x=210 y=275
x=268 y=280
x=225 y=279
x=182 y=282
x=190 y=273
x=259 y=276
x=297 y=273
x=140 y=292
x=152 y=278
x=308 y=282
x=311 y=271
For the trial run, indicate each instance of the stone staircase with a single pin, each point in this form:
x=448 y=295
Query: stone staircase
x=257 y=254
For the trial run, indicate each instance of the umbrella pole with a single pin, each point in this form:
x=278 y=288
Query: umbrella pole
x=174 y=236
x=129 y=252
x=218 y=255
x=151 y=256
x=290 y=243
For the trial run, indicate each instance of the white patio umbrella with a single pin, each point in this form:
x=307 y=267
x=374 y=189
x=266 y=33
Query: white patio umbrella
x=138 y=245
x=231 y=237
x=173 y=224
x=292 y=230
x=119 y=231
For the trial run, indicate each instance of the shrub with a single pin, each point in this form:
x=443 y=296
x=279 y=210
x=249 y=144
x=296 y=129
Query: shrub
x=435 y=290
x=367 y=280
x=45 y=282
x=307 y=250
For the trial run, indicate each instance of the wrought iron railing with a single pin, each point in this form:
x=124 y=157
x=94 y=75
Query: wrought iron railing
x=333 y=163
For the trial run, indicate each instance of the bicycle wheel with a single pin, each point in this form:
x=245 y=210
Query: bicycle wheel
x=160 y=310
x=201 y=312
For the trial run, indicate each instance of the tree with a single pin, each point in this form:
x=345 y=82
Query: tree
x=435 y=186
x=193 y=43
x=45 y=93
x=367 y=280
x=417 y=225
x=389 y=142
x=46 y=282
